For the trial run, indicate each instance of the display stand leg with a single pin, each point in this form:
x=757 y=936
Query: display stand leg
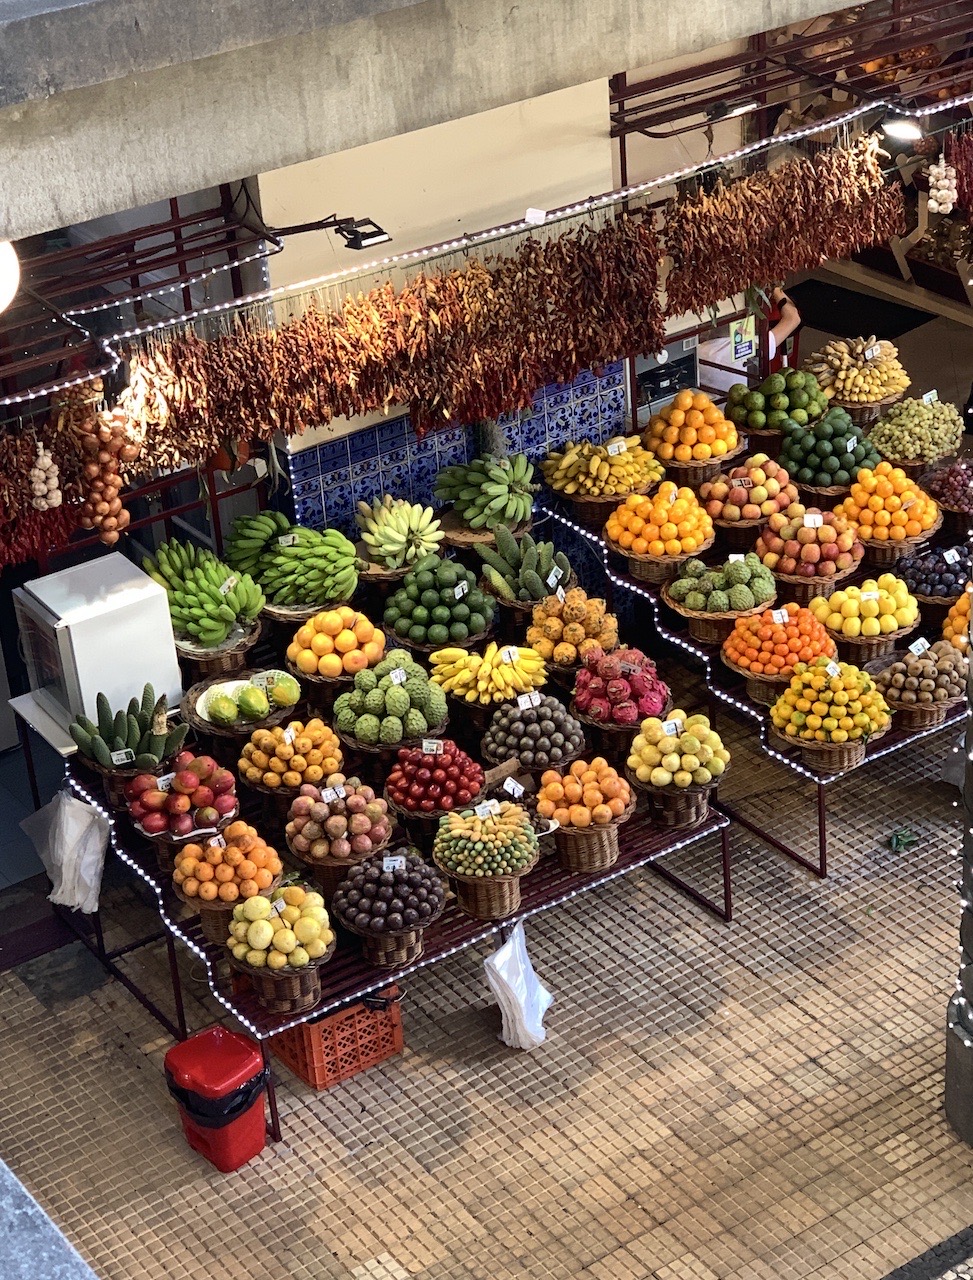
x=176 y=987
x=820 y=868
x=274 y=1127
x=24 y=731
x=724 y=912
x=822 y=833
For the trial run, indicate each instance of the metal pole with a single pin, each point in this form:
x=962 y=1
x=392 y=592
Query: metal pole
x=959 y=1011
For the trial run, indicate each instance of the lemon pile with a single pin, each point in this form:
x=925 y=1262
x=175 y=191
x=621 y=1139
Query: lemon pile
x=828 y=701
x=876 y=608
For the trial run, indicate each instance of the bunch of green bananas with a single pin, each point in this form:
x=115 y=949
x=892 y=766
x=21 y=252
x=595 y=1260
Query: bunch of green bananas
x=307 y=567
x=206 y=598
x=396 y=531
x=489 y=491
x=252 y=538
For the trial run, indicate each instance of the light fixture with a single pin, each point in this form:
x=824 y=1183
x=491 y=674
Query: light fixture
x=723 y=111
x=9 y=274
x=903 y=128
x=361 y=234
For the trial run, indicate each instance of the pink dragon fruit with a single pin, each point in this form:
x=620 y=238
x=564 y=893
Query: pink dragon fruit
x=599 y=709
x=618 y=691
x=651 y=703
x=635 y=658
x=641 y=681
x=625 y=713
x=582 y=680
x=593 y=657
x=609 y=667
x=596 y=687
x=582 y=699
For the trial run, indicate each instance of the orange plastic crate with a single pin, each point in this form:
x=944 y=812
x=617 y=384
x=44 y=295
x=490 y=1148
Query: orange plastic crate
x=339 y=1046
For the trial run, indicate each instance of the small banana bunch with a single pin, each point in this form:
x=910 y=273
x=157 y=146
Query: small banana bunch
x=397 y=532
x=499 y=674
x=251 y=538
x=858 y=370
x=619 y=466
x=489 y=491
x=206 y=598
x=307 y=567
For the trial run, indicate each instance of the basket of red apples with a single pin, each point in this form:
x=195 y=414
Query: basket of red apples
x=428 y=781
x=613 y=693
x=198 y=797
x=740 y=501
x=809 y=552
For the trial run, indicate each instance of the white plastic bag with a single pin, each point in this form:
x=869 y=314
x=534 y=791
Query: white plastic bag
x=522 y=999
x=71 y=838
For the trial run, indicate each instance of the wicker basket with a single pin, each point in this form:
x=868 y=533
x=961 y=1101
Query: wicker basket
x=328 y=872
x=584 y=850
x=613 y=741
x=677 y=806
x=458 y=535
x=214 y=916
x=830 y=757
x=295 y=615
x=656 y=569
x=883 y=555
x=390 y=950
x=797 y=590
x=858 y=650
x=711 y=628
x=515 y=615
x=933 y=611
x=693 y=474
x=374 y=763
x=956 y=524
x=488 y=897
x=762 y=440
x=822 y=496
x=738 y=535
x=114 y=781
x=592 y=512
x=286 y=990
x=319 y=691
x=914 y=470
x=926 y=715
x=241 y=728
x=376 y=577
x=864 y=415
x=761 y=687
x=474 y=715
x=536 y=770
x=225 y=660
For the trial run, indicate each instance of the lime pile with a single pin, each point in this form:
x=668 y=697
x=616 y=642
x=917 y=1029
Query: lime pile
x=831 y=452
x=792 y=394
x=439 y=603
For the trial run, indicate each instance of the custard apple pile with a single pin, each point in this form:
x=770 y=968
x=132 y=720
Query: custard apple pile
x=385 y=707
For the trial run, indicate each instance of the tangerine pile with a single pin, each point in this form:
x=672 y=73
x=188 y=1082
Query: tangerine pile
x=336 y=642
x=289 y=757
x=956 y=628
x=242 y=868
x=588 y=795
x=691 y=429
x=669 y=523
x=763 y=646
x=886 y=506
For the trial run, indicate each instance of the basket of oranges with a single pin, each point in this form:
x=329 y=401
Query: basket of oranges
x=330 y=648
x=890 y=513
x=660 y=532
x=215 y=875
x=692 y=438
x=589 y=802
x=765 y=648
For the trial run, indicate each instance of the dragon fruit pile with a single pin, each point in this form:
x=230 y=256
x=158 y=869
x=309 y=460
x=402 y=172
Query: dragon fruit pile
x=622 y=687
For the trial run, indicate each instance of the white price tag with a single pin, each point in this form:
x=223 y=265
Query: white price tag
x=872 y=352
x=672 y=728
x=125 y=756
x=561 y=594
x=287 y=540
x=219 y=840
x=616 y=447
x=460 y=590
x=813 y=520
x=536 y=217
x=508 y=654
x=165 y=782
x=869 y=595
x=527 y=700
x=263 y=680
x=394 y=862
x=290 y=735
x=851 y=444
x=930 y=397
x=278 y=907
x=513 y=787
x=432 y=747
x=779 y=615
x=555 y=576
x=487 y=809
x=672 y=497
x=744 y=482
x=227 y=586
x=919 y=646
x=952 y=556
x=833 y=669
x=330 y=794
x=737 y=557
x=628 y=667
x=398 y=676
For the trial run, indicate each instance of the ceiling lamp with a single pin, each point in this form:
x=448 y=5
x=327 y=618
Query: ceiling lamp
x=902 y=128
x=9 y=274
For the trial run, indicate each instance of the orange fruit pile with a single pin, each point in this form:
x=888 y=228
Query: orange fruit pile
x=885 y=505
x=336 y=642
x=691 y=429
x=956 y=628
x=588 y=795
x=670 y=522
x=246 y=866
x=763 y=646
x=286 y=757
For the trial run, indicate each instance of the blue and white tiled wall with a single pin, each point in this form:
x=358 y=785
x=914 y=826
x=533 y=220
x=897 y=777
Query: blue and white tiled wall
x=329 y=479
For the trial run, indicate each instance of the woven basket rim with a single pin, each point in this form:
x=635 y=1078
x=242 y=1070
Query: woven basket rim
x=617 y=728
x=510 y=877
x=345 y=678
x=754 y=675
x=892 y=398
x=910 y=462
x=187 y=709
x=865 y=640
x=695 y=789
x=329 y=860
x=584 y=833
x=831 y=746
x=458 y=535
x=825 y=490
x=726 y=616
x=298 y=613
x=915 y=541
x=196 y=653
x=643 y=557
x=123 y=771
x=241 y=966
x=739 y=524
x=523 y=606
x=376 y=572
x=381 y=747
x=946 y=601
x=797 y=579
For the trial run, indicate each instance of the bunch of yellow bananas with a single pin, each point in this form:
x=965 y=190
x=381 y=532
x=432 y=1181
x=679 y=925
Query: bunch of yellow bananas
x=497 y=675
x=618 y=466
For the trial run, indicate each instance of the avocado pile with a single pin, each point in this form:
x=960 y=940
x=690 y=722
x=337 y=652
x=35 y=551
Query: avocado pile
x=791 y=394
x=438 y=603
x=829 y=452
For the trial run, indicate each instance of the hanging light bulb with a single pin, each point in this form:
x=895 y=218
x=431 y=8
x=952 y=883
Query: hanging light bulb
x=904 y=128
x=9 y=274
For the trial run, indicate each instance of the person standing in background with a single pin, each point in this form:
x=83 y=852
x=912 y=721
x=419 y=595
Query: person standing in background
x=719 y=351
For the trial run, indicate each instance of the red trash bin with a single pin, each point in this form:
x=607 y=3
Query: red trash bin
x=218 y=1078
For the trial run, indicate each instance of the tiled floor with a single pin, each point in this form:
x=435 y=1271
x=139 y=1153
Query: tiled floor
x=759 y=1101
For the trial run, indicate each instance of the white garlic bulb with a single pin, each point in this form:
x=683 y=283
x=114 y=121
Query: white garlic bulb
x=44 y=481
x=942 y=187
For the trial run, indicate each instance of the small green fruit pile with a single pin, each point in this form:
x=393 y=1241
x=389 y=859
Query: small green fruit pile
x=737 y=585
x=502 y=843
x=138 y=737
x=439 y=603
x=525 y=570
x=391 y=703
x=790 y=394
x=831 y=452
